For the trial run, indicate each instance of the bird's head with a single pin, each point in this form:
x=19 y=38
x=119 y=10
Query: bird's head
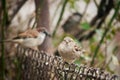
x=44 y=30
x=68 y=39
x=76 y=16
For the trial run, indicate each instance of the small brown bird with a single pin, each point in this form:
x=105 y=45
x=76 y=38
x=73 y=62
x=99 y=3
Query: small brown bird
x=31 y=38
x=72 y=24
x=69 y=50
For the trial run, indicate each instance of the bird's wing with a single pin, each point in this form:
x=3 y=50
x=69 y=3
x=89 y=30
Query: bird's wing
x=31 y=33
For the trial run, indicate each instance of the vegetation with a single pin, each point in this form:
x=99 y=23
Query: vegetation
x=97 y=30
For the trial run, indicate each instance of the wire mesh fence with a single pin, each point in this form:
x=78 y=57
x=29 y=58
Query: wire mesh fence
x=39 y=66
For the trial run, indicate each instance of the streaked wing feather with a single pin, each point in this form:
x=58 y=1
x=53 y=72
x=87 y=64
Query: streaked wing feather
x=32 y=33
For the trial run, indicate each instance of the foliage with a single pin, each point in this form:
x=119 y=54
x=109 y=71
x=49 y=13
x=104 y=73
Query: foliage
x=97 y=34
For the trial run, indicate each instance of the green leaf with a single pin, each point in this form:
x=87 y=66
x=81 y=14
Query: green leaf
x=87 y=1
x=85 y=26
x=72 y=3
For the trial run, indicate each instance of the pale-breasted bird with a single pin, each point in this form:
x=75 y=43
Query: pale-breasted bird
x=69 y=50
x=31 y=38
x=72 y=24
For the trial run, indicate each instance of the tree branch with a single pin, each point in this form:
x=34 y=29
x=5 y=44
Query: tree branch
x=61 y=14
x=16 y=9
x=105 y=33
x=103 y=12
x=42 y=19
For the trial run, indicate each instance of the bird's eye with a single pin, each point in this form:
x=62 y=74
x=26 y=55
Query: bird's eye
x=44 y=32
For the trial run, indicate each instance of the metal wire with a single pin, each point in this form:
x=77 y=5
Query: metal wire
x=39 y=66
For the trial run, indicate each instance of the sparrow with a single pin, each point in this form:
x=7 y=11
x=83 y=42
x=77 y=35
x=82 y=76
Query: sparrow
x=31 y=38
x=69 y=50
x=72 y=24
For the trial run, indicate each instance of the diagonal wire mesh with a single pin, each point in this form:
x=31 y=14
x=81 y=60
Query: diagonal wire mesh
x=39 y=66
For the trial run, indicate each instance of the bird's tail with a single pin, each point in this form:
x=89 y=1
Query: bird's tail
x=6 y=41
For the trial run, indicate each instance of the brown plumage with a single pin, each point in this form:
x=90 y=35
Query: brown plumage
x=30 y=38
x=69 y=50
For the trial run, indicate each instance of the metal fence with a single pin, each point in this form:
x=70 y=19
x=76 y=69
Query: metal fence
x=39 y=66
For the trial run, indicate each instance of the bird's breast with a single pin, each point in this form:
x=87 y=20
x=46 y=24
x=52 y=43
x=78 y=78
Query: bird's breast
x=30 y=42
x=41 y=38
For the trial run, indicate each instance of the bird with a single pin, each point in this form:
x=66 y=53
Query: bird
x=72 y=24
x=69 y=50
x=30 y=38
